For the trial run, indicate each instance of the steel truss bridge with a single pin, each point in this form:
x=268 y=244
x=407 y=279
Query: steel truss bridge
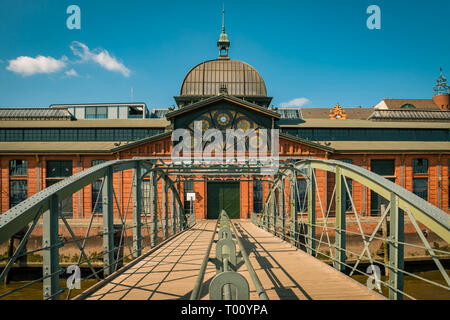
x=297 y=248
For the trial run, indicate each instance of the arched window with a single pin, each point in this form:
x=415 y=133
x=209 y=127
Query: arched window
x=408 y=105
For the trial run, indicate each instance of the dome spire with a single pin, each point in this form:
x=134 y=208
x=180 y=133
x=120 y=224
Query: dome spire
x=223 y=21
x=223 y=42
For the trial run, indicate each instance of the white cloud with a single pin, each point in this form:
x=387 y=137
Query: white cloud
x=28 y=66
x=99 y=56
x=71 y=73
x=297 y=102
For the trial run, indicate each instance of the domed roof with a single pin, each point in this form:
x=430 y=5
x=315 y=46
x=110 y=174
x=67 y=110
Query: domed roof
x=212 y=77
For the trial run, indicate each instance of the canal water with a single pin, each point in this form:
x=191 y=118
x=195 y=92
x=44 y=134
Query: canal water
x=34 y=291
x=416 y=288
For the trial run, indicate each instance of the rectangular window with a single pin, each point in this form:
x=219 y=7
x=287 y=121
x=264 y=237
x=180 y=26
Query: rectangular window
x=32 y=135
x=102 y=113
x=135 y=112
x=18 y=167
x=59 y=168
x=420 y=187
x=86 y=135
x=188 y=188
x=386 y=169
x=14 y=135
x=68 y=135
x=146 y=197
x=301 y=196
x=257 y=196
x=349 y=183
x=420 y=166
x=90 y=113
x=50 y=134
x=97 y=200
x=17 y=192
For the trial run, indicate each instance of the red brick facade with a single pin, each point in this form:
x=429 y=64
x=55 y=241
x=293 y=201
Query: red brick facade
x=82 y=200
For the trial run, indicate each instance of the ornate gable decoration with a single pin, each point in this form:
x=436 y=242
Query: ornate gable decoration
x=337 y=113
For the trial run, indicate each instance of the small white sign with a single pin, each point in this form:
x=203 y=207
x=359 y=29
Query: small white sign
x=190 y=196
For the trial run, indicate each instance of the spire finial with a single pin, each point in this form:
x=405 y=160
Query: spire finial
x=223 y=42
x=223 y=18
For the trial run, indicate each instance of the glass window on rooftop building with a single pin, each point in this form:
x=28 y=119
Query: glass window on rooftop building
x=135 y=112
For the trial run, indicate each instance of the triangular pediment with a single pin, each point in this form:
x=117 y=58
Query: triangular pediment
x=223 y=97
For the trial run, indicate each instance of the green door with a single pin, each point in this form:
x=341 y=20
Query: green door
x=223 y=196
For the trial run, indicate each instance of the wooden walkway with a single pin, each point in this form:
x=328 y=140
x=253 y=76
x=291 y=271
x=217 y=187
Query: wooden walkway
x=285 y=272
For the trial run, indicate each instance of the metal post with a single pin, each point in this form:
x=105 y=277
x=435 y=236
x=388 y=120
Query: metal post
x=293 y=226
x=179 y=216
x=272 y=211
x=108 y=223
x=340 y=205
x=172 y=211
x=50 y=243
x=165 y=208
x=153 y=209
x=281 y=231
x=137 y=224
x=180 y=209
x=396 y=252
x=311 y=214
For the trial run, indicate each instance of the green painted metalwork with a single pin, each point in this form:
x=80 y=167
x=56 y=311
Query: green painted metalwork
x=400 y=201
x=225 y=248
x=47 y=203
x=165 y=209
x=153 y=209
x=294 y=223
x=51 y=243
x=282 y=227
x=108 y=223
x=272 y=212
x=311 y=213
x=340 y=206
x=137 y=206
x=229 y=278
x=396 y=250
x=225 y=233
x=172 y=211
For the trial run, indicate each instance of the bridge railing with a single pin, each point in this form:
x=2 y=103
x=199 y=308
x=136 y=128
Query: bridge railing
x=228 y=284
x=405 y=226
x=75 y=253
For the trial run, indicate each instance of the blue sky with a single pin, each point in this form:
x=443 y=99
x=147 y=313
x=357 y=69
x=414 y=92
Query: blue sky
x=318 y=50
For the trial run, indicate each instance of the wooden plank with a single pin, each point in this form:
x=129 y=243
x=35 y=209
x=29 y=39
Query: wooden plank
x=284 y=271
x=289 y=273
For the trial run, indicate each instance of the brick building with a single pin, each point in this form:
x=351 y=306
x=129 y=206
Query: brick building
x=404 y=140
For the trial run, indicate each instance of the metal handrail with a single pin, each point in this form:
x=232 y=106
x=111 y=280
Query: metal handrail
x=259 y=288
x=257 y=283
x=198 y=284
